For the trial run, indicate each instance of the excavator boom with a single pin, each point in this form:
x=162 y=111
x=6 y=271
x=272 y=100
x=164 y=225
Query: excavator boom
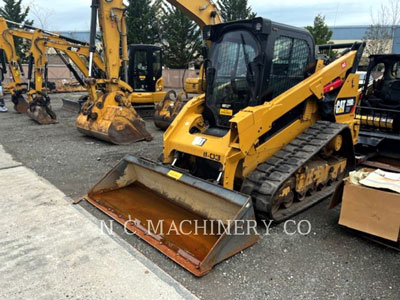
x=109 y=114
x=37 y=104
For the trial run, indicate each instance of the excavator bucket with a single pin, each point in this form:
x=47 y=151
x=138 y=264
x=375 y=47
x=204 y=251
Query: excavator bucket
x=21 y=105
x=195 y=223
x=40 y=110
x=119 y=125
x=168 y=109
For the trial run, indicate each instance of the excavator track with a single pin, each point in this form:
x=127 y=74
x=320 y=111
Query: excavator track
x=270 y=177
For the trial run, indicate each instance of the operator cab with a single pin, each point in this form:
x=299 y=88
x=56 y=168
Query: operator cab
x=145 y=67
x=384 y=73
x=251 y=62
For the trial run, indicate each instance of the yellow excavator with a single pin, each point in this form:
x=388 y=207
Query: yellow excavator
x=109 y=114
x=144 y=76
x=203 y=13
x=37 y=104
x=273 y=135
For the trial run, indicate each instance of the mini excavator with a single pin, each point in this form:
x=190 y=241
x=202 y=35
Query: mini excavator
x=37 y=104
x=110 y=114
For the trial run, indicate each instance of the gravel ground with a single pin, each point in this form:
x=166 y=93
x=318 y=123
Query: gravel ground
x=329 y=263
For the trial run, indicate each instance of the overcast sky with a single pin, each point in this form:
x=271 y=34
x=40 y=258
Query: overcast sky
x=75 y=14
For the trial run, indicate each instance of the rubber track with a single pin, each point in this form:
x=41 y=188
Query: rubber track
x=264 y=183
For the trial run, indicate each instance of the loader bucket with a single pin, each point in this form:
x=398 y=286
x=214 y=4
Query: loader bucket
x=21 y=105
x=191 y=221
x=114 y=124
x=40 y=110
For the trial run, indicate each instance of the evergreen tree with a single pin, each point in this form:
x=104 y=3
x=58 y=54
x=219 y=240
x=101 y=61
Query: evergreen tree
x=320 y=31
x=233 y=10
x=322 y=35
x=14 y=11
x=181 y=38
x=142 y=22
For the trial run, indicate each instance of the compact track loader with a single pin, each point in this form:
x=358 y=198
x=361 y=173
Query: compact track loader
x=275 y=124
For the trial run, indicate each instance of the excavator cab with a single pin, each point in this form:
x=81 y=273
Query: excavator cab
x=250 y=64
x=145 y=67
x=145 y=78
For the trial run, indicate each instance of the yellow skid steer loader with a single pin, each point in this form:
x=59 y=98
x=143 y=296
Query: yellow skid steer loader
x=273 y=135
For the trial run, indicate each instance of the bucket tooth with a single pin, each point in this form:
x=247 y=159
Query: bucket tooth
x=191 y=221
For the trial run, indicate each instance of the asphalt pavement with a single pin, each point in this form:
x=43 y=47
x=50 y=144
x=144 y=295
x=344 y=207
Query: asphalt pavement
x=327 y=263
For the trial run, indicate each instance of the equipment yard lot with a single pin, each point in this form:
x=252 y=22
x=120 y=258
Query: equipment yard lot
x=329 y=263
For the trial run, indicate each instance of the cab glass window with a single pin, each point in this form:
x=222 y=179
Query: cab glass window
x=289 y=64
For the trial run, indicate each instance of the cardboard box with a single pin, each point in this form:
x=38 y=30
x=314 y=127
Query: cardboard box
x=372 y=211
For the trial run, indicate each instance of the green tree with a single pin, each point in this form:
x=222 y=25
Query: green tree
x=181 y=38
x=13 y=10
x=320 y=31
x=142 y=22
x=233 y=10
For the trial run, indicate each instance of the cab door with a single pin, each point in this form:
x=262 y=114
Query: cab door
x=145 y=68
